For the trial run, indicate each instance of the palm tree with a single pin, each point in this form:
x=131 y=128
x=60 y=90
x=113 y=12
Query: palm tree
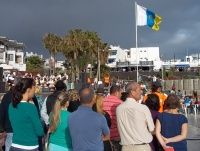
x=104 y=48
x=81 y=48
x=52 y=43
x=71 y=47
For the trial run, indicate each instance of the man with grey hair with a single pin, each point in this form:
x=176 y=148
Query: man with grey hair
x=134 y=120
x=86 y=126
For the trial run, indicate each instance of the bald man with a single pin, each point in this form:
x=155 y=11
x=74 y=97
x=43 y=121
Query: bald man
x=134 y=121
x=86 y=126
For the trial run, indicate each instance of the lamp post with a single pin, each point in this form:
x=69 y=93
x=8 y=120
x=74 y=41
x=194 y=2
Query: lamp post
x=99 y=68
x=162 y=70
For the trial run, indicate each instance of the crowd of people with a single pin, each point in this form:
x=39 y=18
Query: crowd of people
x=88 y=120
x=44 y=81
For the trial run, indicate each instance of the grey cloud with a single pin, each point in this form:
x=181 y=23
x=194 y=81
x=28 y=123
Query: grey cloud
x=28 y=20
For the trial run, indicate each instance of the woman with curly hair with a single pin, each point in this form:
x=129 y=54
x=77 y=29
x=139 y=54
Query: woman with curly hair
x=74 y=100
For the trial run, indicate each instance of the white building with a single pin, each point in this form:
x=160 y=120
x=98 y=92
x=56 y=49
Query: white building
x=30 y=54
x=146 y=57
x=116 y=54
x=11 y=54
x=193 y=60
x=58 y=64
x=190 y=61
x=175 y=63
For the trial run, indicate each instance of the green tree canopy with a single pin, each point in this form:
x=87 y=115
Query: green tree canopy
x=34 y=64
x=79 y=47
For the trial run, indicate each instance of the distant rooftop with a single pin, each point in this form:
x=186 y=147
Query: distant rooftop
x=11 y=43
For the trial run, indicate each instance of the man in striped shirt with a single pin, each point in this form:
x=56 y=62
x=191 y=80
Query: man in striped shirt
x=109 y=105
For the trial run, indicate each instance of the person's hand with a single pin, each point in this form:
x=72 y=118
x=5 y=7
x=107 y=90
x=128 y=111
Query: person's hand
x=166 y=140
x=165 y=146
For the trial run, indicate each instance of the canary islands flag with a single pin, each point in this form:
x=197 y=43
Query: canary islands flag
x=147 y=17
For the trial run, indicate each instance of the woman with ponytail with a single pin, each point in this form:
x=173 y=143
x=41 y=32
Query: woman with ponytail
x=60 y=139
x=24 y=117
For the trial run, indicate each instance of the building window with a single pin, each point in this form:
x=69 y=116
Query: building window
x=10 y=57
x=111 y=60
x=18 y=59
x=1 y=55
x=128 y=54
x=113 y=52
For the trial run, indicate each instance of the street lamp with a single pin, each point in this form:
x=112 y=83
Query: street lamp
x=99 y=65
x=162 y=70
x=98 y=69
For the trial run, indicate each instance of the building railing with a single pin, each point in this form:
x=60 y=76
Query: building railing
x=141 y=63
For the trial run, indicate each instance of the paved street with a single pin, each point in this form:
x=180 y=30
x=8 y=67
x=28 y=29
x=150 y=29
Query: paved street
x=194 y=133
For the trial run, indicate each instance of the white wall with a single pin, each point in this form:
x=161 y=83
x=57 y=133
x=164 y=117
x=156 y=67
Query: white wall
x=29 y=54
x=120 y=56
x=144 y=54
x=16 y=50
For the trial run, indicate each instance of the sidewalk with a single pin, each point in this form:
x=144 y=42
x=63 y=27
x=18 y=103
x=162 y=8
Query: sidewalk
x=194 y=133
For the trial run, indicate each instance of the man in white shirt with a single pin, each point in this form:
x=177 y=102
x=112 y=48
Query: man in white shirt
x=134 y=120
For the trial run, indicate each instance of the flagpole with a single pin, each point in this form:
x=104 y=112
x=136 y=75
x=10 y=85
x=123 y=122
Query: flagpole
x=136 y=43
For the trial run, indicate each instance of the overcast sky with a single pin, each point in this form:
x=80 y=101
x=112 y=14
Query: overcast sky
x=28 y=20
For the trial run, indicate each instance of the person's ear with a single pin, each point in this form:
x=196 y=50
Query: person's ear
x=67 y=103
x=28 y=90
x=131 y=92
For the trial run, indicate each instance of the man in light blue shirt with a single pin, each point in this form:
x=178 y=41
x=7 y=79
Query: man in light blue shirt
x=86 y=126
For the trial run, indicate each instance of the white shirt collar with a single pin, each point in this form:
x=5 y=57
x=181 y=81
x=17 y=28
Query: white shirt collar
x=131 y=100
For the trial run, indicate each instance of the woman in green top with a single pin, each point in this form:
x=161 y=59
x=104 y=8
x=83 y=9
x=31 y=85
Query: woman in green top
x=60 y=139
x=24 y=117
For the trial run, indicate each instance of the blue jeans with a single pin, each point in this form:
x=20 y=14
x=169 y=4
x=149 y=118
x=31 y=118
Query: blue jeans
x=8 y=142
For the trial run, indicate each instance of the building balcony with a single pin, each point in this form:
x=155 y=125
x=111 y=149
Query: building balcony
x=19 y=67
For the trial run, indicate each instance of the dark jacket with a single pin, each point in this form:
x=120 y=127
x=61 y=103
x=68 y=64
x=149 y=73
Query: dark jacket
x=51 y=99
x=35 y=101
x=5 y=124
x=73 y=105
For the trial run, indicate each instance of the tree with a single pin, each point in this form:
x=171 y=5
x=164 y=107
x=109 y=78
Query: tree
x=52 y=43
x=105 y=70
x=81 y=48
x=34 y=64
